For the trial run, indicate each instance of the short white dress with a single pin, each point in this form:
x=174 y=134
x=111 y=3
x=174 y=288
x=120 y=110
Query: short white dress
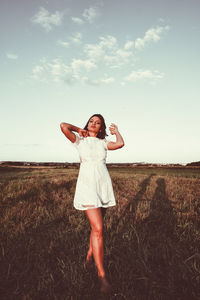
x=94 y=187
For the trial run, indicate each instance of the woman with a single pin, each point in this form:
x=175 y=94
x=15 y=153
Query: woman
x=94 y=187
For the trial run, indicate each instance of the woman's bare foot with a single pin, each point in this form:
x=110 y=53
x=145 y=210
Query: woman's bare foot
x=105 y=286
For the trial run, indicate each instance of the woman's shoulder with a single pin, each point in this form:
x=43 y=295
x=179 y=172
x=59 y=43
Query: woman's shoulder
x=78 y=139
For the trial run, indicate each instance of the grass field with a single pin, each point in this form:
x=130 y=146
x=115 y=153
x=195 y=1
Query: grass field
x=152 y=237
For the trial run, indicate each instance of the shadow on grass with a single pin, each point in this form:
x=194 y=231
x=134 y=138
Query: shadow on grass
x=132 y=205
x=157 y=234
x=146 y=258
x=119 y=244
x=119 y=223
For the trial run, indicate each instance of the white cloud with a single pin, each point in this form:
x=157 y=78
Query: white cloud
x=151 y=35
x=56 y=68
x=78 y=21
x=108 y=80
x=37 y=71
x=108 y=42
x=79 y=65
x=108 y=52
x=90 y=14
x=124 y=55
x=144 y=75
x=59 y=71
x=94 y=51
x=47 y=20
x=76 y=38
x=12 y=56
x=97 y=82
x=91 y=61
x=129 y=45
x=89 y=81
x=63 y=43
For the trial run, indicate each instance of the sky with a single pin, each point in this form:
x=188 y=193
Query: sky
x=135 y=62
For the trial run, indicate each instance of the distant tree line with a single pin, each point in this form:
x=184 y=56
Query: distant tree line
x=194 y=164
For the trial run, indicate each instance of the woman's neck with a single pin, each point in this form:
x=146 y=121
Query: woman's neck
x=92 y=134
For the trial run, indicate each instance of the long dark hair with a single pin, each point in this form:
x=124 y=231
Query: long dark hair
x=102 y=131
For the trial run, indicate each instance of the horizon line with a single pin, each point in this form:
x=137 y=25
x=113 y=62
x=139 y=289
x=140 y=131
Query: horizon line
x=78 y=162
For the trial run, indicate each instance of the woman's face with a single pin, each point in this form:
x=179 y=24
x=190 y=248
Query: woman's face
x=94 y=124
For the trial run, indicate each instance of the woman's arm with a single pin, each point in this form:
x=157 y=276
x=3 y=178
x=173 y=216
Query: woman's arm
x=68 y=128
x=119 y=139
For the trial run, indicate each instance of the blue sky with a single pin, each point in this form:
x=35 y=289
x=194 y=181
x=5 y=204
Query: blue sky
x=135 y=62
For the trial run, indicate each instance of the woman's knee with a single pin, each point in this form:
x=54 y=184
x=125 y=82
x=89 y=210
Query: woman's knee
x=97 y=230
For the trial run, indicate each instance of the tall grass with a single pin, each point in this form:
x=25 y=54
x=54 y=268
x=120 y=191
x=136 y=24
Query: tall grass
x=151 y=237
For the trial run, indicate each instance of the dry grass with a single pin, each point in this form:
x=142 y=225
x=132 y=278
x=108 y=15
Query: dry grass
x=152 y=237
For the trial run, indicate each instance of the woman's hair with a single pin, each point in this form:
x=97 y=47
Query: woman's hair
x=102 y=131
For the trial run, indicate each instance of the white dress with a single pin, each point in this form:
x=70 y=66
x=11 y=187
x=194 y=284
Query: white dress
x=94 y=187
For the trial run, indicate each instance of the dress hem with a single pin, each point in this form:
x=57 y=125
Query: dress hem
x=86 y=208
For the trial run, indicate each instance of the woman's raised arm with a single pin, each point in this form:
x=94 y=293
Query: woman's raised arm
x=68 y=129
x=119 y=139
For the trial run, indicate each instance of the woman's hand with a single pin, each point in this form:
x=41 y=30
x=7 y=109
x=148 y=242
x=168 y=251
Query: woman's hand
x=113 y=129
x=83 y=132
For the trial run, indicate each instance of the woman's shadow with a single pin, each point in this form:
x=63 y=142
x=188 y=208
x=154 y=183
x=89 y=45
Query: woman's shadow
x=161 y=218
x=143 y=248
x=131 y=207
x=158 y=231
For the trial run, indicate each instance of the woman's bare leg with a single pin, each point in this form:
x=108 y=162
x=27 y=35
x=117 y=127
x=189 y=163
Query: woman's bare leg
x=90 y=254
x=96 y=240
x=89 y=261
